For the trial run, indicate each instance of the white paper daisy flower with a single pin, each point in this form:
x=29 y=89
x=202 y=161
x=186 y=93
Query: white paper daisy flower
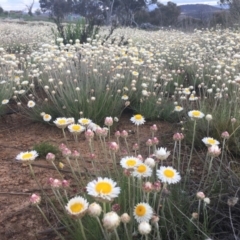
x=143 y=212
x=161 y=153
x=76 y=128
x=61 y=122
x=178 y=108
x=103 y=189
x=5 y=101
x=27 y=156
x=129 y=162
x=47 y=117
x=208 y=141
x=142 y=170
x=168 y=175
x=77 y=206
x=31 y=104
x=84 y=121
x=138 y=119
x=195 y=114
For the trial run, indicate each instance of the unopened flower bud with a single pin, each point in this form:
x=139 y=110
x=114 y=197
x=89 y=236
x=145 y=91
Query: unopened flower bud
x=35 y=199
x=155 y=141
x=232 y=201
x=117 y=134
x=124 y=134
x=200 y=195
x=178 y=137
x=147 y=187
x=108 y=121
x=116 y=207
x=135 y=147
x=65 y=183
x=153 y=128
x=66 y=152
x=75 y=154
x=89 y=134
x=157 y=186
x=94 y=210
x=111 y=221
x=113 y=146
x=225 y=135
x=195 y=215
x=144 y=228
x=149 y=143
x=62 y=146
x=50 y=157
x=214 y=151
x=208 y=117
x=125 y=218
x=206 y=200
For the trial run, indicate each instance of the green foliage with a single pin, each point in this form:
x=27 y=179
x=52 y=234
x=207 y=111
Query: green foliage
x=80 y=31
x=44 y=148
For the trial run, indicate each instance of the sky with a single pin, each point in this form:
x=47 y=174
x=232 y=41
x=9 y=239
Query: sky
x=21 y=4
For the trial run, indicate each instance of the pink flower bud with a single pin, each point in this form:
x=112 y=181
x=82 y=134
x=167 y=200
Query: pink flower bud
x=62 y=146
x=153 y=128
x=66 y=152
x=108 y=121
x=225 y=135
x=89 y=134
x=75 y=154
x=127 y=172
x=140 y=157
x=117 y=134
x=155 y=141
x=135 y=147
x=55 y=183
x=157 y=186
x=214 y=151
x=50 y=157
x=124 y=134
x=113 y=146
x=65 y=183
x=149 y=143
x=116 y=207
x=147 y=187
x=92 y=156
x=35 y=199
x=178 y=137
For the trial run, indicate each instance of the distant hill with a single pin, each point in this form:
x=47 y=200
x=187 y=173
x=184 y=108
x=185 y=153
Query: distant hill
x=199 y=10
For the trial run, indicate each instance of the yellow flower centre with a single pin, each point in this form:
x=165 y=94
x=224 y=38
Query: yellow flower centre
x=169 y=173
x=27 y=156
x=131 y=162
x=211 y=141
x=62 y=121
x=103 y=187
x=140 y=210
x=85 y=121
x=76 y=207
x=76 y=127
x=138 y=117
x=196 y=113
x=46 y=116
x=141 y=168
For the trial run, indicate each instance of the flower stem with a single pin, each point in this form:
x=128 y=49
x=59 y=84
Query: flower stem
x=115 y=231
x=82 y=229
